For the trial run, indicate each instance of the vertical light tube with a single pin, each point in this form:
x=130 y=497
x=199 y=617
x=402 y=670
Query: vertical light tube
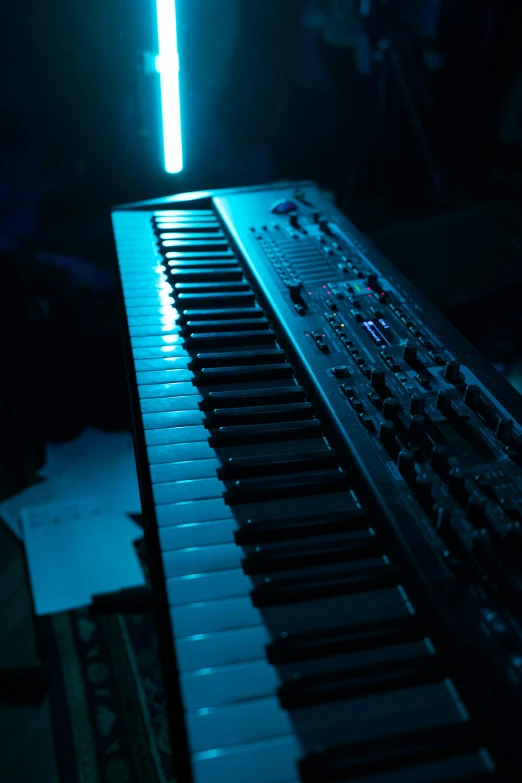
x=168 y=67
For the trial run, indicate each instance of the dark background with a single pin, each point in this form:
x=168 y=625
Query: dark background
x=266 y=94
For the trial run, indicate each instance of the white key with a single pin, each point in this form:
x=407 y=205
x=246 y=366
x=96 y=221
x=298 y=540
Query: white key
x=202 y=559
x=199 y=587
x=181 y=434
x=162 y=363
x=180 y=403
x=189 y=469
x=186 y=513
x=211 y=687
x=167 y=390
x=216 y=727
x=203 y=534
x=269 y=761
x=222 y=648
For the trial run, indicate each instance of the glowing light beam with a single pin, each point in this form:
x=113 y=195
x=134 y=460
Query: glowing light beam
x=167 y=64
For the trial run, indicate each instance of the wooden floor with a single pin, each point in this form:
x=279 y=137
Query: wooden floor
x=26 y=741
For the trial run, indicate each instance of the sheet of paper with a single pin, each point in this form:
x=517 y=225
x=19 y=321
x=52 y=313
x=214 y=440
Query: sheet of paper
x=97 y=465
x=76 y=549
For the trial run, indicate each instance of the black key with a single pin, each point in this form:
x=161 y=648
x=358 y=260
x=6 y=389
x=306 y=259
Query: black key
x=274 y=591
x=265 y=465
x=290 y=485
x=345 y=639
x=183 y=263
x=212 y=287
x=309 y=553
x=239 y=374
x=239 y=298
x=260 y=531
x=230 y=325
x=361 y=681
x=213 y=339
x=202 y=255
x=226 y=313
x=225 y=358
x=203 y=244
x=355 y=760
x=180 y=275
x=256 y=414
x=248 y=397
x=263 y=433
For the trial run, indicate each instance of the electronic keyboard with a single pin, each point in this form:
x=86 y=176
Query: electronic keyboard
x=331 y=484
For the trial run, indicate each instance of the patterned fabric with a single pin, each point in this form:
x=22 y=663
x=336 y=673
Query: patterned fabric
x=107 y=698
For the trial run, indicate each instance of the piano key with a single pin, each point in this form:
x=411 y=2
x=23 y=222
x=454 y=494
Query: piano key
x=464 y=768
x=214 y=286
x=172 y=419
x=367 y=716
x=248 y=490
x=271 y=395
x=274 y=591
x=208 y=376
x=260 y=465
x=395 y=752
x=259 y=531
x=249 y=762
x=224 y=314
x=216 y=232
x=161 y=362
x=190 y=469
x=228 y=325
x=309 y=690
x=182 y=274
x=239 y=298
x=181 y=452
x=238 y=612
x=158 y=321
x=161 y=299
x=146 y=391
x=203 y=559
x=308 y=552
x=204 y=244
x=169 y=343
x=185 y=513
x=345 y=638
x=229 y=580
x=163 y=376
x=165 y=404
x=159 y=308
x=218 y=256
x=261 y=433
x=190 y=489
x=191 y=535
x=155 y=331
x=157 y=353
x=219 y=649
x=217 y=339
x=253 y=414
x=226 y=358
x=212 y=685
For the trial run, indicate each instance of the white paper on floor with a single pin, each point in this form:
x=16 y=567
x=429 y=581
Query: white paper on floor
x=76 y=549
x=97 y=465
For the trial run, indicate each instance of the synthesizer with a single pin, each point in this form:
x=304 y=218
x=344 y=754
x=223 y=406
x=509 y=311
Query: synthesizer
x=331 y=484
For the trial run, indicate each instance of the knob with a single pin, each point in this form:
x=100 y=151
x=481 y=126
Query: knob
x=390 y=408
x=295 y=292
x=293 y=217
x=440 y=517
x=378 y=379
x=387 y=435
x=452 y=371
x=372 y=281
x=439 y=458
x=417 y=404
x=504 y=430
x=444 y=400
x=423 y=491
x=416 y=426
x=476 y=510
x=457 y=485
x=406 y=463
x=472 y=395
x=410 y=352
